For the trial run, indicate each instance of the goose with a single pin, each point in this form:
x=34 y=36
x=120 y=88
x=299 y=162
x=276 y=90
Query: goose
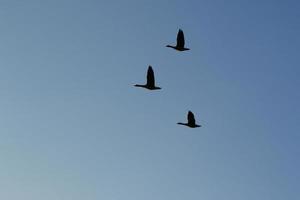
x=191 y=121
x=150 y=85
x=180 y=42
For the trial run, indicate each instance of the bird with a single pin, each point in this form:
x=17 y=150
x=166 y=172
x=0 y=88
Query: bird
x=150 y=85
x=180 y=42
x=191 y=121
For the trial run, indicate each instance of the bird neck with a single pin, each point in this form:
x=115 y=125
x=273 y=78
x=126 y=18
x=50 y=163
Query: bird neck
x=137 y=85
x=171 y=46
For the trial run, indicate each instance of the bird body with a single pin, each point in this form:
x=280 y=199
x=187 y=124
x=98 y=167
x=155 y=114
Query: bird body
x=180 y=42
x=150 y=85
x=191 y=121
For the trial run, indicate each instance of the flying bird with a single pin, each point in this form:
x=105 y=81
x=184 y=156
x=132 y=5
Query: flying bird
x=180 y=42
x=191 y=121
x=150 y=85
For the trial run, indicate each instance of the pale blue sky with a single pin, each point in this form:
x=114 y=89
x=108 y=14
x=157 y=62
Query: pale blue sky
x=73 y=127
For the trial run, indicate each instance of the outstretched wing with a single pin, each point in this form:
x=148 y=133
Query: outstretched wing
x=191 y=118
x=180 y=39
x=150 y=77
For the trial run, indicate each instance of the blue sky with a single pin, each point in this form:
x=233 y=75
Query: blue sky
x=72 y=126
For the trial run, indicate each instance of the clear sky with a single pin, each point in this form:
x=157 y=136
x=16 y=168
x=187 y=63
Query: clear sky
x=73 y=127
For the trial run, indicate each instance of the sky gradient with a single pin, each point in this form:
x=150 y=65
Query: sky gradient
x=73 y=127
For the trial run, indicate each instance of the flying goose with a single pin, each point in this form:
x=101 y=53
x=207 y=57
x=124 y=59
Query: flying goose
x=150 y=85
x=191 y=121
x=180 y=42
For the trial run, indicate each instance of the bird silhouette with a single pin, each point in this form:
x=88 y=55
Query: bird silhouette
x=150 y=85
x=180 y=42
x=191 y=121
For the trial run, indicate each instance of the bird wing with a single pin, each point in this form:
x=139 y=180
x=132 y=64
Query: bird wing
x=150 y=77
x=191 y=118
x=180 y=38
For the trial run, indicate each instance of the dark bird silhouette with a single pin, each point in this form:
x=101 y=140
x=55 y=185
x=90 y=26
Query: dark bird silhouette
x=150 y=85
x=180 y=42
x=191 y=121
